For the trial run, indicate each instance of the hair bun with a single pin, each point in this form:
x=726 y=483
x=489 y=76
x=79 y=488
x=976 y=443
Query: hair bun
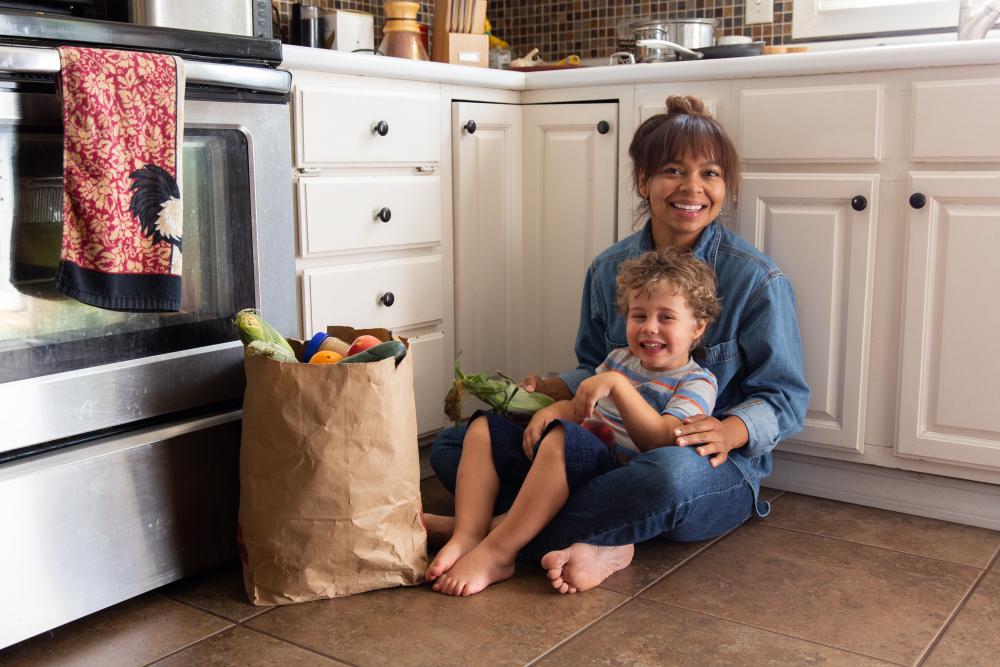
x=687 y=105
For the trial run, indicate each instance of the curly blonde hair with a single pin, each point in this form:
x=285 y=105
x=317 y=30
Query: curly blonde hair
x=692 y=278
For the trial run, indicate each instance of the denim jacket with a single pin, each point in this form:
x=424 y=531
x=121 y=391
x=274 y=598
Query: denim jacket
x=753 y=348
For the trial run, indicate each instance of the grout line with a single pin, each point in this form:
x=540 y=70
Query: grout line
x=187 y=646
x=301 y=646
x=874 y=546
x=218 y=615
x=954 y=614
x=630 y=597
x=586 y=627
x=773 y=631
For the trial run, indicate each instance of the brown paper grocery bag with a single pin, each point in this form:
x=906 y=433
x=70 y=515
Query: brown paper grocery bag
x=329 y=478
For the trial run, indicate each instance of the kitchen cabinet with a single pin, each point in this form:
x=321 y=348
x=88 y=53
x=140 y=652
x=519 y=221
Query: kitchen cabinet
x=372 y=248
x=535 y=200
x=894 y=301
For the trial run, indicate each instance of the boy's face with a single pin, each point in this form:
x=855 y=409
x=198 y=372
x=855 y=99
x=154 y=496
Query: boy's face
x=660 y=328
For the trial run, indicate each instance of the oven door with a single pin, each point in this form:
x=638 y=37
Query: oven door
x=69 y=371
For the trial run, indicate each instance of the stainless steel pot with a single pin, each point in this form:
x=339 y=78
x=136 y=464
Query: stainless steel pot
x=662 y=40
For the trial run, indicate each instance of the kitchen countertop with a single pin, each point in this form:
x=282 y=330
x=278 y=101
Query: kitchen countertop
x=907 y=56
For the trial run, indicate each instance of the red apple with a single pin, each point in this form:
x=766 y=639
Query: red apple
x=362 y=343
x=601 y=430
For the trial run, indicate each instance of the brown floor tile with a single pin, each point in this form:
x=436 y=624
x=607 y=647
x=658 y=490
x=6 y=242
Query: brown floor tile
x=245 y=648
x=436 y=498
x=219 y=590
x=972 y=638
x=647 y=633
x=770 y=494
x=876 y=602
x=509 y=623
x=952 y=542
x=652 y=560
x=134 y=632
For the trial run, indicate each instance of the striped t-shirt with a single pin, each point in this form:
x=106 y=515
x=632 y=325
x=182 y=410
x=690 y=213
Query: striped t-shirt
x=681 y=392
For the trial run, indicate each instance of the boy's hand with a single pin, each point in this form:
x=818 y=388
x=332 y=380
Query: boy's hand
x=716 y=438
x=592 y=390
x=533 y=431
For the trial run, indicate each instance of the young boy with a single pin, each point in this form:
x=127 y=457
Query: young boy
x=640 y=393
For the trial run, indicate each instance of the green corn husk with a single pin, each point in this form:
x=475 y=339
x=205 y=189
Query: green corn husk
x=501 y=393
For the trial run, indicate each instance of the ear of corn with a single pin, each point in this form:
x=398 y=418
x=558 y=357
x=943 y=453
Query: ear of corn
x=270 y=349
x=251 y=327
x=500 y=393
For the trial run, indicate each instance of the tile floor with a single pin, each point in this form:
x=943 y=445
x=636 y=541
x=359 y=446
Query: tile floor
x=816 y=583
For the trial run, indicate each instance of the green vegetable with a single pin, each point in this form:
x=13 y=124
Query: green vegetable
x=251 y=326
x=499 y=392
x=270 y=349
x=390 y=348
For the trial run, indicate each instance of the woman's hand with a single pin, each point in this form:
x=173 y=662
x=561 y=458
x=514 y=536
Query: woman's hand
x=551 y=386
x=716 y=438
x=592 y=390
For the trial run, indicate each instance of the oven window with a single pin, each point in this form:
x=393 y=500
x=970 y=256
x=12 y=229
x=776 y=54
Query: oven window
x=44 y=332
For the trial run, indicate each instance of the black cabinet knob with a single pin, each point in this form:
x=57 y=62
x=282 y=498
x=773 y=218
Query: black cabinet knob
x=387 y=299
x=381 y=128
x=384 y=214
x=604 y=127
x=918 y=200
x=470 y=127
x=859 y=203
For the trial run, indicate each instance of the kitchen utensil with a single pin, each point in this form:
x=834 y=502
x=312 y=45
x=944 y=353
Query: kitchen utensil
x=656 y=49
x=732 y=50
x=685 y=33
x=401 y=32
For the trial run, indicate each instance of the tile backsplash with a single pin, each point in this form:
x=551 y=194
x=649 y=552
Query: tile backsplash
x=587 y=28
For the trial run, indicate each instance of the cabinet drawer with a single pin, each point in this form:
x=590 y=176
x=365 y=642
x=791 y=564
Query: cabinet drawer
x=338 y=126
x=351 y=294
x=343 y=213
x=824 y=124
x=429 y=384
x=956 y=121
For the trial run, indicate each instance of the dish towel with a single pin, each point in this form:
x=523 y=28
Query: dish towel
x=123 y=130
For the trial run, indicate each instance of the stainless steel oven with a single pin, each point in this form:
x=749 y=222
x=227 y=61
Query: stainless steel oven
x=120 y=431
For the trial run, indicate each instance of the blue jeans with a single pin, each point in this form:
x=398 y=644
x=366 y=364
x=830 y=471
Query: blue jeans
x=669 y=491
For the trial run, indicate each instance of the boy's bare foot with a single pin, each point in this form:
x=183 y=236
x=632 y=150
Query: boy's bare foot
x=475 y=571
x=449 y=554
x=439 y=528
x=582 y=566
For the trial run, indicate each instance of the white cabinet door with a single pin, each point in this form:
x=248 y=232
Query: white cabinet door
x=950 y=361
x=809 y=225
x=487 y=234
x=570 y=190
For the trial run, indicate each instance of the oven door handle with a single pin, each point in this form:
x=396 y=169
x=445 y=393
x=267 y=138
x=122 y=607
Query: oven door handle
x=30 y=60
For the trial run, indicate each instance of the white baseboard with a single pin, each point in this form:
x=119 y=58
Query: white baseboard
x=946 y=498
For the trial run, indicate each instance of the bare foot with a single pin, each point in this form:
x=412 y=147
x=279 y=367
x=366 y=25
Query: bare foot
x=475 y=571
x=439 y=528
x=449 y=554
x=583 y=566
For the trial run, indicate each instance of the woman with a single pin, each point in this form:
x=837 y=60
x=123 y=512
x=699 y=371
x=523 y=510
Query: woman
x=685 y=168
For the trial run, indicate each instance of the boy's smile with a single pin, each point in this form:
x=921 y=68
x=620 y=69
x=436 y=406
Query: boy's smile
x=661 y=328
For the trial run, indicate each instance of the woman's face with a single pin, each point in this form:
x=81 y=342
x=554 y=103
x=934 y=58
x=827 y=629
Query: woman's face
x=684 y=197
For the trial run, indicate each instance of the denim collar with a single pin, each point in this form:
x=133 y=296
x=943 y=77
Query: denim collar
x=706 y=248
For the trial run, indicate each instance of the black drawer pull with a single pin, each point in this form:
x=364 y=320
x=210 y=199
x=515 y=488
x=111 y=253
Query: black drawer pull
x=918 y=200
x=387 y=299
x=381 y=128
x=470 y=127
x=384 y=214
x=859 y=203
x=603 y=127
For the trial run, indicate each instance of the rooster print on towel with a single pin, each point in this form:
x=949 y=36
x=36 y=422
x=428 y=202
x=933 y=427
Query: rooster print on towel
x=122 y=143
x=156 y=204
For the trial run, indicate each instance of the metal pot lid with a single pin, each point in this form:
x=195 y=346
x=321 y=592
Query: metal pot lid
x=653 y=23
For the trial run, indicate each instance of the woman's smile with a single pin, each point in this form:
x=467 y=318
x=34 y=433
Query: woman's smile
x=685 y=196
